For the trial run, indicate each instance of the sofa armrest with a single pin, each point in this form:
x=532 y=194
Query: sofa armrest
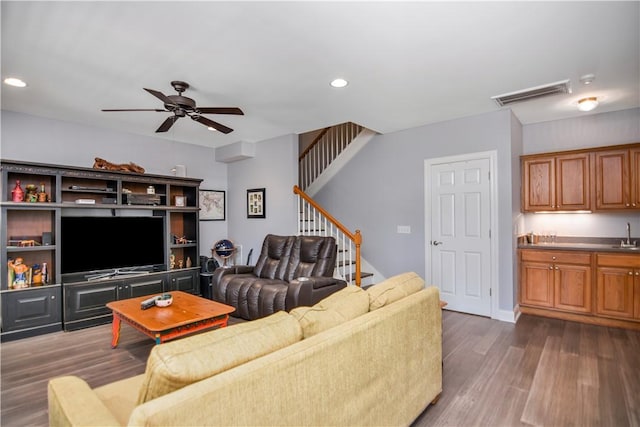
x=308 y=291
x=73 y=403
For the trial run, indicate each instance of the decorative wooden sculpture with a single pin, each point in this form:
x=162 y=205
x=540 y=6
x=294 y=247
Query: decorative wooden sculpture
x=126 y=167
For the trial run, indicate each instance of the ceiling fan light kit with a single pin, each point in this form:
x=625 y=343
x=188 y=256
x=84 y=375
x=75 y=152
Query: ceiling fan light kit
x=182 y=106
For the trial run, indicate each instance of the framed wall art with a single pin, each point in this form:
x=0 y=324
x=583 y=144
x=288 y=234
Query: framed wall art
x=256 y=203
x=212 y=205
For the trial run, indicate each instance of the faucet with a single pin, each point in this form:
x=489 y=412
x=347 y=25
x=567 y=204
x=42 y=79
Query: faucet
x=628 y=243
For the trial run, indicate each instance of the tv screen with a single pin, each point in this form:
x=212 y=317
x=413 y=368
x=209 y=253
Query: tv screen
x=103 y=243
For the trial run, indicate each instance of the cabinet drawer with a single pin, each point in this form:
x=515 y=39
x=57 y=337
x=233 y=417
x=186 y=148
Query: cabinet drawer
x=617 y=260
x=552 y=256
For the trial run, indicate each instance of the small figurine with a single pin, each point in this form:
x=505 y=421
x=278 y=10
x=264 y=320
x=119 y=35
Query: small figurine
x=31 y=195
x=42 y=195
x=20 y=271
x=17 y=194
x=172 y=261
x=180 y=263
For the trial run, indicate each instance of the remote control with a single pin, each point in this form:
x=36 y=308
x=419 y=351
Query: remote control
x=148 y=303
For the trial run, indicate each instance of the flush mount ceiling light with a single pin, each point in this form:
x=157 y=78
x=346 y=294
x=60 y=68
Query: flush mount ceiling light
x=587 y=79
x=339 y=83
x=12 y=81
x=588 y=104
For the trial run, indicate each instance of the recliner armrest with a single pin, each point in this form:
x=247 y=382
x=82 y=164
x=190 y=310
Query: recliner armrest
x=308 y=291
x=234 y=269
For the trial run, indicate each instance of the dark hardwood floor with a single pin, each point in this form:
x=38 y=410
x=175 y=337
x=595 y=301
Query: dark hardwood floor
x=539 y=372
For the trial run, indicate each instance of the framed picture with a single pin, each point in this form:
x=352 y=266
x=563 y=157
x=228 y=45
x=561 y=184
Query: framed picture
x=180 y=201
x=212 y=205
x=256 y=203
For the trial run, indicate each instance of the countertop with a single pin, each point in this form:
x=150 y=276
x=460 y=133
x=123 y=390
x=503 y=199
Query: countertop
x=596 y=244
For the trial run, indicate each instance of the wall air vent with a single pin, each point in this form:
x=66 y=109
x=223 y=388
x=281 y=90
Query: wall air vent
x=533 y=93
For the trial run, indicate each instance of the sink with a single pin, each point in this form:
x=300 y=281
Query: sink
x=627 y=248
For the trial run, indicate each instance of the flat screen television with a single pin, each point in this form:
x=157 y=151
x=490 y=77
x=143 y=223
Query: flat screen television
x=97 y=243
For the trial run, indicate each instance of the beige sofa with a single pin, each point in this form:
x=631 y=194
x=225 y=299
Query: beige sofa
x=358 y=357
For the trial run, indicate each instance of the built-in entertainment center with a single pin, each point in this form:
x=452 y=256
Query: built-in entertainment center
x=74 y=239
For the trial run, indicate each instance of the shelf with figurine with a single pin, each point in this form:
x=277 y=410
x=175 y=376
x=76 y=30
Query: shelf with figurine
x=21 y=275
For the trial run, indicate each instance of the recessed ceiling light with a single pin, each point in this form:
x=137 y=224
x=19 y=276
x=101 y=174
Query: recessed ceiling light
x=12 y=81
x=588 y=104
x=339 y=83
x=212 y=129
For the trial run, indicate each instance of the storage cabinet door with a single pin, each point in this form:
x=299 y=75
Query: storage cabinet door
x=612 y=179
x=635 y=178
x=537 y=284
x=636 y=294
x=615 y=291
x=139 y=287
x=87 y=300
x=186 y=281
x=573 y=287
x=538 y=178
x=31 y=308
x=573 y=191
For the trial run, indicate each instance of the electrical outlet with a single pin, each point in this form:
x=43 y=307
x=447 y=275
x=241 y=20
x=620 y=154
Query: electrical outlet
x=404 y=229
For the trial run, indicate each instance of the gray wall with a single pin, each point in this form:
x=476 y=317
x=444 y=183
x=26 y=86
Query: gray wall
x=383 y=187
x=36 y=139
x=275 y=168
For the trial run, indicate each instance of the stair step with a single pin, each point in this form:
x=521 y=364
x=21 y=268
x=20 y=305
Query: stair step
x=350 y=277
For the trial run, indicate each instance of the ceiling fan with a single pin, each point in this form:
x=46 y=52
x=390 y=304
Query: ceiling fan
x=182 y=106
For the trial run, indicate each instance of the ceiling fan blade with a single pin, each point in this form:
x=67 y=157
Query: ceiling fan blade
x=140 y=109
x=166 y=125
x=220 y=110
x=207 y=122
x=162 y=97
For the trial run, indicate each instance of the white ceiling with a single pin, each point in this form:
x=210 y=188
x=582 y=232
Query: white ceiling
x=408 y=64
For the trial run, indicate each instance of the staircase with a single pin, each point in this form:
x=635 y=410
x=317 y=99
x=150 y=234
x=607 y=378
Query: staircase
x=332 y=148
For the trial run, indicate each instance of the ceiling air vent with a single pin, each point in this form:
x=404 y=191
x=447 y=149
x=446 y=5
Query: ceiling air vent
x=533 y=93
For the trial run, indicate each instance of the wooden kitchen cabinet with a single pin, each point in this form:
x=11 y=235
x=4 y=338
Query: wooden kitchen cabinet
x=556 y=182
x=617 y=176
x=554 y=279
x=618 y=286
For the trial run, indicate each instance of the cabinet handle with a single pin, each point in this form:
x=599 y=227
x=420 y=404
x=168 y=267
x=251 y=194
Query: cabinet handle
x=551 y=267
x=628 y=205
x=637 y=273
x=631 y=273
x=557 y=268
x=553 y=258
x=53 y=297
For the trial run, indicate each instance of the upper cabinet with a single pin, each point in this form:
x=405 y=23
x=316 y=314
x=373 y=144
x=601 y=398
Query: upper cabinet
x=617 y=179
x=599 y=179
x=556 y=182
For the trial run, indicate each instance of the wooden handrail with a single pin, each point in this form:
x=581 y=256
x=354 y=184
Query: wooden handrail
x=355 y=237
x=314 y=143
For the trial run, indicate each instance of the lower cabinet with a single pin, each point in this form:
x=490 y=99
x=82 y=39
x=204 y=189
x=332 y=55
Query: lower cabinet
x=85 y=302
x=31 y=311
x=558 y=280
x=618 y=286
x=594 y=287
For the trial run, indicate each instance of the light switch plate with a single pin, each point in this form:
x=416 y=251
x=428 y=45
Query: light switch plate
x=404 y=229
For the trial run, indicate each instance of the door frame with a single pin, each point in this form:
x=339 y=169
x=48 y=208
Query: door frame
x=493 y=222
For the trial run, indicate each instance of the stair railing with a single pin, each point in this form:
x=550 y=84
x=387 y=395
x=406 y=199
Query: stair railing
x=313 y=220
x=323 y=150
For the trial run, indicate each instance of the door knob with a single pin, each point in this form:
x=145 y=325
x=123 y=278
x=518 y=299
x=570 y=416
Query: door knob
x=435 y=243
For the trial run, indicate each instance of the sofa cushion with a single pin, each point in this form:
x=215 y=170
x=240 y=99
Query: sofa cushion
x=346 y=304
x=176 y=364
x=393 y=289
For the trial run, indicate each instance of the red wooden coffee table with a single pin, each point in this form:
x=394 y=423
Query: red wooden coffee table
x=186 y=315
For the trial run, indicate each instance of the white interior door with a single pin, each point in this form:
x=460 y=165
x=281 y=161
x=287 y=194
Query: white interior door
x=460 y=245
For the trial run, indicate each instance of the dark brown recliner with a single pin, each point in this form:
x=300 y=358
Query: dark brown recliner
x=291 y=271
